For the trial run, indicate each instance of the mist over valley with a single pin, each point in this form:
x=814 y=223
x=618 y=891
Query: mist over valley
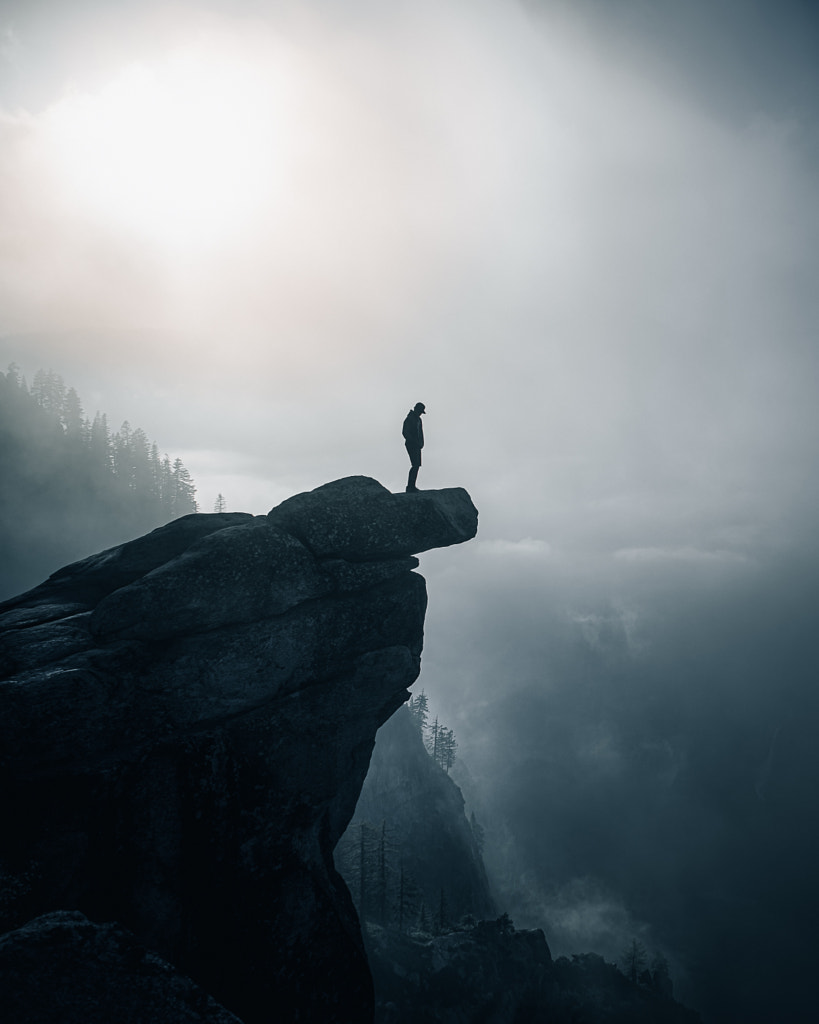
x=584 y=236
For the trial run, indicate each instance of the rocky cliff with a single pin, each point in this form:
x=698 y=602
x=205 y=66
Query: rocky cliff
x=186 y=722
x=494 y=974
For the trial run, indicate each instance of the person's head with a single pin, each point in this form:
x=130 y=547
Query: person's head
x=419 y=408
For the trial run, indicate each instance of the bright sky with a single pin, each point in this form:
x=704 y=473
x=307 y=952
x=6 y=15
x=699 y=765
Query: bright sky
x=599 y=286
x=583 y=272
x=584 y=234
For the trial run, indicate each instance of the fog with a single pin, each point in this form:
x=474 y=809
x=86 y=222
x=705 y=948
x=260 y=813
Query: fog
x=585 y=236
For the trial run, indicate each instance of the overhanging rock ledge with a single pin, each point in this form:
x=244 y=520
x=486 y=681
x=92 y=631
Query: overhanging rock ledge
x=185 y=724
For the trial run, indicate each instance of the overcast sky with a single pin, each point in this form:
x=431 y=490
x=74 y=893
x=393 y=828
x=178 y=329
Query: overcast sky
x=585 y=235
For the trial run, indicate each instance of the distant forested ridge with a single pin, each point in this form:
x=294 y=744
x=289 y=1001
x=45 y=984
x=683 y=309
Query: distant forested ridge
x=69 y=486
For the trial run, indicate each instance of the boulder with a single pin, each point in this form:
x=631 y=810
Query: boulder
x=63 y=968
x=359 y=520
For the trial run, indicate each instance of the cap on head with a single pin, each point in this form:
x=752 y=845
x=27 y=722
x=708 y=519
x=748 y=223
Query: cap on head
x=419 y=408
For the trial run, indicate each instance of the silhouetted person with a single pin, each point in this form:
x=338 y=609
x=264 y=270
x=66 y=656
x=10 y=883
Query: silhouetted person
x=413 y=431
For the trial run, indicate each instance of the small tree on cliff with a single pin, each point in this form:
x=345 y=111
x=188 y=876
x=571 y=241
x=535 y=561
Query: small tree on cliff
x=446 y=748
x=432 y=740
x=419 y=709
x=442 y=745
x=633 y=960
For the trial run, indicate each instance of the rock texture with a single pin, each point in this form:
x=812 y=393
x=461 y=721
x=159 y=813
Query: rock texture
x=185 y=725
x=63 y=968
x=489 y=972
x=495 y=974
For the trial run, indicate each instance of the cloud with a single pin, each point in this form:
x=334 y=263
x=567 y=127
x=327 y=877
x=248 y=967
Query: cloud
x=11 y=47
x=583 y=915
x=528 y=547
x=683 y=554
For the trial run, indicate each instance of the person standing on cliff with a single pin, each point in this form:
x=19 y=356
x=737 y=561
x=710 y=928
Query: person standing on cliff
x=413 y=431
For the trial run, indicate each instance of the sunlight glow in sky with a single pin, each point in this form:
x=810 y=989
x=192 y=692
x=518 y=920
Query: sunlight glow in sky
x=586 y=235
x=330 y=217
x=182 y=152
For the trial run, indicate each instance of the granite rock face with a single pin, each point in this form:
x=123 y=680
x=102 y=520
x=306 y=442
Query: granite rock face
x=365 y=521
x=185 y=725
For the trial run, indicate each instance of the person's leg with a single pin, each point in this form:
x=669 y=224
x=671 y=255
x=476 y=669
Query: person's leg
x=415 y=465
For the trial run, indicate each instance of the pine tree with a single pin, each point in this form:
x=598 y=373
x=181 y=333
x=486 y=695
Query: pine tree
x=441 y=744
x=183 y=491
x=356 y=858
x=166 y=486
x=419 y=709
x=76 y=428
x=633 y=960
x=121 y=453
x=48 y=391
x=99 y=443
x=105 y=488
x=220 y=505
x=13 y=376
x=432 y=744
x=382 y=891
x=142 y=477
x=407 y=901
x=155 y=469
x=446 y=748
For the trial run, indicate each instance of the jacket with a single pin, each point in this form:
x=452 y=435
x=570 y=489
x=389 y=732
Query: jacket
x=413 y=430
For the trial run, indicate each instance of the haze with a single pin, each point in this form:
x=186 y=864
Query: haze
x=585 y=236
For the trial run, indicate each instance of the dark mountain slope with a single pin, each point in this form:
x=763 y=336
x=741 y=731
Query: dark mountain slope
x=427 y=833
x=68 y=486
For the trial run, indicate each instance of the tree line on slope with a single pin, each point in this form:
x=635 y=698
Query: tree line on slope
x=439 y=741
x=383 y=890
x=126 y=458
x=71 y=485
x=387 y=895
x=634 y=963
x=373 y=858
x=403 y=913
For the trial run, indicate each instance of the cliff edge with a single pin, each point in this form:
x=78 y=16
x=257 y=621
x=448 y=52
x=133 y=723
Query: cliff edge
x=186 y=722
